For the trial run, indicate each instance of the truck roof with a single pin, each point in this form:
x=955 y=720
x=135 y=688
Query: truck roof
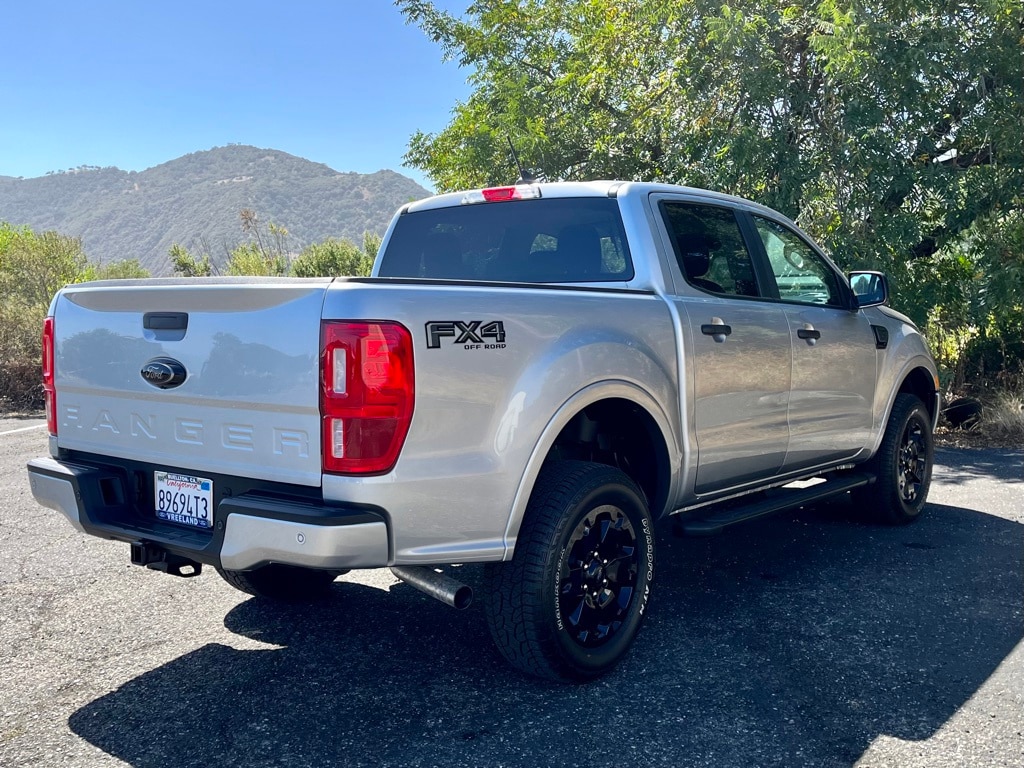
x=604 y=188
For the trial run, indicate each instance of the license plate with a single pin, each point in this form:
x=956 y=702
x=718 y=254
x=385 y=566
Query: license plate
x=184 y=499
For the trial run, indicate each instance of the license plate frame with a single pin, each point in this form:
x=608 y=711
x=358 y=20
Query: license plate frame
x=183 y=499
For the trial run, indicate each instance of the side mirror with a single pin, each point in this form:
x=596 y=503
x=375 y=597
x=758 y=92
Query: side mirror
x=870 y=288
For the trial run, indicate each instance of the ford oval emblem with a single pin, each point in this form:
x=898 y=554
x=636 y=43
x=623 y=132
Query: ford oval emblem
x=164 y=372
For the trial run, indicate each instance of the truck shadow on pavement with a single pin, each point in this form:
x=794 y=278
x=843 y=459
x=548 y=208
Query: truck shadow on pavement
x=795 y=641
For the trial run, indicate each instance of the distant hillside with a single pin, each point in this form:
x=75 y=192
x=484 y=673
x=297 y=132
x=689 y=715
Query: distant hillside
x=197 y=198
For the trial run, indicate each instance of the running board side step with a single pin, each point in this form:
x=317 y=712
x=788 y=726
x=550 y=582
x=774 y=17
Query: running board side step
x=772 y=501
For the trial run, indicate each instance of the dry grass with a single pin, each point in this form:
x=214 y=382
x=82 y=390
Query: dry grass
x=1001 y=425
x=20 y=386
x=1003 y=418
x=21 y=373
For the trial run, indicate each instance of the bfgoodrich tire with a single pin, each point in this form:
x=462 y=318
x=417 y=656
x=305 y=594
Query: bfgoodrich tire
x=902 y=466
x=570 y=602
x=281 y=582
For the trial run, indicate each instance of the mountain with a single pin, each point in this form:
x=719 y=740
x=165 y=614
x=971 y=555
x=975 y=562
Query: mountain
x=195 y=200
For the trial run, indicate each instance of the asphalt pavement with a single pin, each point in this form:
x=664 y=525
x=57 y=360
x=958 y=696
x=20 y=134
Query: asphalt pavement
x=810 y=639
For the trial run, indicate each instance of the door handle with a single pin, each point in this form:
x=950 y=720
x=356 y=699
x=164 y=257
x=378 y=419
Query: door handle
x=809 y=334
x=716 y=329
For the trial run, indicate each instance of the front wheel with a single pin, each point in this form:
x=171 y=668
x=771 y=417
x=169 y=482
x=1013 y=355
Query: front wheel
x=573 y=597
x=902 y=466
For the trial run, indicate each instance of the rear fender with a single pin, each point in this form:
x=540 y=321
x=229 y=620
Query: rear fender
x=594 y=393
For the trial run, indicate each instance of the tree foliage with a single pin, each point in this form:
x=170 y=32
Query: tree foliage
x=33 y=267
x=266 y=253
x=186 y=264
x=890 y=131
x=337 y=258
x=129 y=269
x=897 y=123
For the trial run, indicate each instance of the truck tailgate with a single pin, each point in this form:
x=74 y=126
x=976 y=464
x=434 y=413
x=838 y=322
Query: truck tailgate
x=249 y=402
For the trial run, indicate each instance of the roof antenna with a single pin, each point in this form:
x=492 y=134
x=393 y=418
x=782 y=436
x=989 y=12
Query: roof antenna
x=524 y=176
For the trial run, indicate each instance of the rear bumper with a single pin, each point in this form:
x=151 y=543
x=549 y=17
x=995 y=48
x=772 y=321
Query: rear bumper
x=250 y=529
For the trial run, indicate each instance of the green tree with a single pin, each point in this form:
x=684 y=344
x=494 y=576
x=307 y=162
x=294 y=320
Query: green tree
x=896 y=124
x=337 y=258
x=266 y=252
x=8 y=235
x=32 y=268
x=119 y=270
x=185 y=264
x=890 y=131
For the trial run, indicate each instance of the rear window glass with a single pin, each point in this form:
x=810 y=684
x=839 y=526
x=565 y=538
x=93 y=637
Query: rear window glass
x=555 y=240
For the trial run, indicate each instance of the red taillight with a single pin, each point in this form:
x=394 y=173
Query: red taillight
x=49 y=392
x=499 y=194
x=366 y=395
x=502 y=194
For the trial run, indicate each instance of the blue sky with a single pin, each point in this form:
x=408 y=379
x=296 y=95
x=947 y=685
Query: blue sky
x=135 y=84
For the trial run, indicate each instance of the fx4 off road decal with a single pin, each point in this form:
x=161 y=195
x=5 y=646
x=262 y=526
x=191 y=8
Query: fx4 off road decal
x=472 y=334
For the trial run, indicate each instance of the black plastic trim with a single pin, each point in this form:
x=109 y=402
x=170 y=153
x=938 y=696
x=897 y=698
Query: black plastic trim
x=881 y=336
x=128 y=516
x=296 y=511
x=165 y=321
x=429 y=281
x=769 y=502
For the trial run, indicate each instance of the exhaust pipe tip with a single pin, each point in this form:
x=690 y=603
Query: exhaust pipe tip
x=440 y=587
x=463 y=597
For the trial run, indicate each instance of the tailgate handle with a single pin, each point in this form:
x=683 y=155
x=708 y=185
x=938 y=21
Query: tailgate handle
x=165 y=321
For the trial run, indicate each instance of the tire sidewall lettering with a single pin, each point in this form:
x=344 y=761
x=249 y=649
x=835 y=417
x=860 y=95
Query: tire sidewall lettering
x=649 y=558
x=560 y=626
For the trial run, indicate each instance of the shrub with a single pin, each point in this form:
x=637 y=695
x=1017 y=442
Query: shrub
x=333 y=258
x=33 y=267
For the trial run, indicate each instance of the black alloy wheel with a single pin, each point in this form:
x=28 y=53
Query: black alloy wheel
x=902 y=466
x=598 y=576
x=912 y=466
x=572 y=599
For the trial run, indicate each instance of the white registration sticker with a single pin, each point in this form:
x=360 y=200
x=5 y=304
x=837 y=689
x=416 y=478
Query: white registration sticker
x=184 y=499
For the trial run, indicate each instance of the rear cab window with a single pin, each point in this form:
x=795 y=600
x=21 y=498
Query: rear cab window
x=549 y=240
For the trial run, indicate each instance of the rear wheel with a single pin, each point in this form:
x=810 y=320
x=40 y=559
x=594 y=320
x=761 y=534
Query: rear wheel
x=572 y=599
x=902 y=466
x=281 y=582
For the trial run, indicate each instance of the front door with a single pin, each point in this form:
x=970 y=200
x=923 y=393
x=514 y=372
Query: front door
x=830 y=407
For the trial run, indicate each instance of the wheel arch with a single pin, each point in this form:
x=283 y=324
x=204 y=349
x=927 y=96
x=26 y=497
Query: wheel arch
x=921 y=382
x=918 y=378
x=615 y=423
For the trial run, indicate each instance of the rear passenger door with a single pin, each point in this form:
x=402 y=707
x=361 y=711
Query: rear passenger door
x=740 y=353
x=833 y=383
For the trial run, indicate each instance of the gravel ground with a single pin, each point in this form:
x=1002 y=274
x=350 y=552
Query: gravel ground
x=811 y=639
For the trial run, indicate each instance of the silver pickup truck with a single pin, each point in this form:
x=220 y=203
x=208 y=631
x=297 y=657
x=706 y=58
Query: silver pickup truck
x=532 y=377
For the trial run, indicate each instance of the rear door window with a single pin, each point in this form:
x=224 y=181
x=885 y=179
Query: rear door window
x=709 y=248
x=553 y=240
